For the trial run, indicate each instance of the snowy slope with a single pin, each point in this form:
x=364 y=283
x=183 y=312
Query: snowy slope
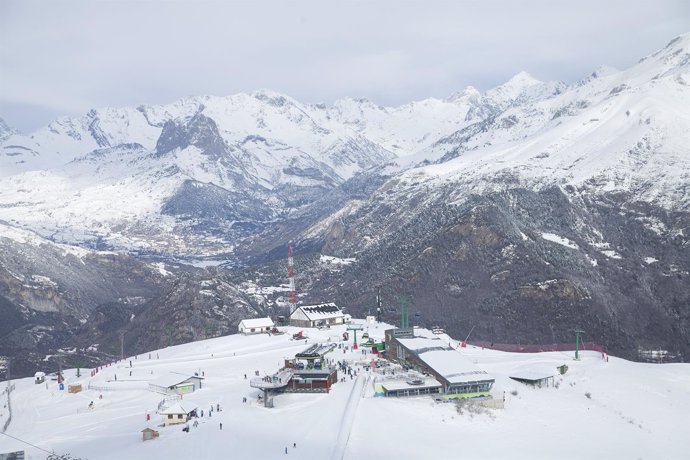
x=128 y=175
x=633 y=410
x=625 y=131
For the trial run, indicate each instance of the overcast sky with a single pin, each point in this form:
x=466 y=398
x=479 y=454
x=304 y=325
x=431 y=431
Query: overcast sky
x=66 y=57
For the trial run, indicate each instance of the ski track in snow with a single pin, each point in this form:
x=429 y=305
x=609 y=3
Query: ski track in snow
x=348 y=418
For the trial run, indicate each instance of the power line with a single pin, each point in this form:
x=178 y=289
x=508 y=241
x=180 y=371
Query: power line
x=28 y=443
x=52 y=455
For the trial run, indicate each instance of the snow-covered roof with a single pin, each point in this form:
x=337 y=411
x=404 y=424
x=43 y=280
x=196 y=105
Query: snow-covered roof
x=393 y=385
x=171 y=379
x=420 y=344
x=321 y=311
x=444 y=360
x=532 y=373
x=39 y=374
x=178 y=408
x=256 y=322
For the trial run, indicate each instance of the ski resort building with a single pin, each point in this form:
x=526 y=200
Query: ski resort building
x=318 y=315
x=459 y=377
x=311 y=372
x=176 y=414
x=409 y=387
x=176 y=383
x=255 y=326
x=533 y=377
x=308 y=372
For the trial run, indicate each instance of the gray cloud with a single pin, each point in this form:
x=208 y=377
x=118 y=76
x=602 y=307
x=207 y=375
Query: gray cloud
x=66 y=57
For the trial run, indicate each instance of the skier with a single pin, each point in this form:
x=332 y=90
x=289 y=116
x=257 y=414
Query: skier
x=245 y=376
x=286 y=451
x=217 y=407
x=294 y=445
x=221 y=426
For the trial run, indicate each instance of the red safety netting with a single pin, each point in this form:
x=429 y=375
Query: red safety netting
x=537 y=348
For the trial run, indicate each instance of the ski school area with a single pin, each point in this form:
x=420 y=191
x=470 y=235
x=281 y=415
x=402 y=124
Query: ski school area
x=310 y=393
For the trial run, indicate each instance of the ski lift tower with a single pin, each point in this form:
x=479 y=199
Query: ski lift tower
x=578 y=340
x=292 y=293
x=404 y=312
x=354 y=328
x=378 y=305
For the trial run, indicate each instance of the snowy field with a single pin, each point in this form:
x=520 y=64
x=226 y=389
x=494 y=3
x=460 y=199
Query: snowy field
x=599 y=410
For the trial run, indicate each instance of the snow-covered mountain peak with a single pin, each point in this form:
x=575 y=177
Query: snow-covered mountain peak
x=604 y=71
x=680 y=44
x=522 y=88
x=676 y=55
x=514 y=87
x=6 y=130
x=273 y=97
x=468 y=95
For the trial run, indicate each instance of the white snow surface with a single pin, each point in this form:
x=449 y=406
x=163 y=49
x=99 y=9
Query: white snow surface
x=560 y=240
x=634 y=410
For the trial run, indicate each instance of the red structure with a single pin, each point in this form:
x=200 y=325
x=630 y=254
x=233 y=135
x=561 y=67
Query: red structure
x=292 y=294
x=536 y=348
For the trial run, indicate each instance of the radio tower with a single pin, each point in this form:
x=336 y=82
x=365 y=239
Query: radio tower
x=292 y=295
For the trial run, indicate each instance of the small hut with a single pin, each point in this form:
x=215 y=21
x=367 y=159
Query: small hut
x=39 y=377
x=177 y=414
x=74 y=388
x=148 y=434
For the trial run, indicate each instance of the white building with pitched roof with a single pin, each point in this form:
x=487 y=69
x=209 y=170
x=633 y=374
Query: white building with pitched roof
x=255 y=326
x=318 y=315
x=176 y=383
x=177 y=413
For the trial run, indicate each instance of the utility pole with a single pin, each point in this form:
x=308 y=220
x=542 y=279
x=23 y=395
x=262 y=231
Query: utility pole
x=404 y=312
x=378 y=305
x=122 y=345
x=577 y=331
x=292 y=293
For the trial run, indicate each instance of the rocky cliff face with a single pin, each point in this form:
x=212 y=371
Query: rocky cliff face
x=522 y=267
x=76 y=302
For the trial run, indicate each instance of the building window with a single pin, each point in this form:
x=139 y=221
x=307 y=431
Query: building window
x=179 y=416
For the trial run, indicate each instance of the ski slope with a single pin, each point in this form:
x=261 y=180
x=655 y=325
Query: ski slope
x=633 y=410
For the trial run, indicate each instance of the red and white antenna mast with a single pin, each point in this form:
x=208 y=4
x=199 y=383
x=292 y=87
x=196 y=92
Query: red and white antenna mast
x=292 y=294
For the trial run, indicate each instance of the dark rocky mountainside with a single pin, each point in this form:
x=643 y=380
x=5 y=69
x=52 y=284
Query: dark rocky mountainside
x=74 y=305
x=491 y=263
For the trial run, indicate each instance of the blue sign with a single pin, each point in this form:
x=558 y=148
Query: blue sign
x=62 y=386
